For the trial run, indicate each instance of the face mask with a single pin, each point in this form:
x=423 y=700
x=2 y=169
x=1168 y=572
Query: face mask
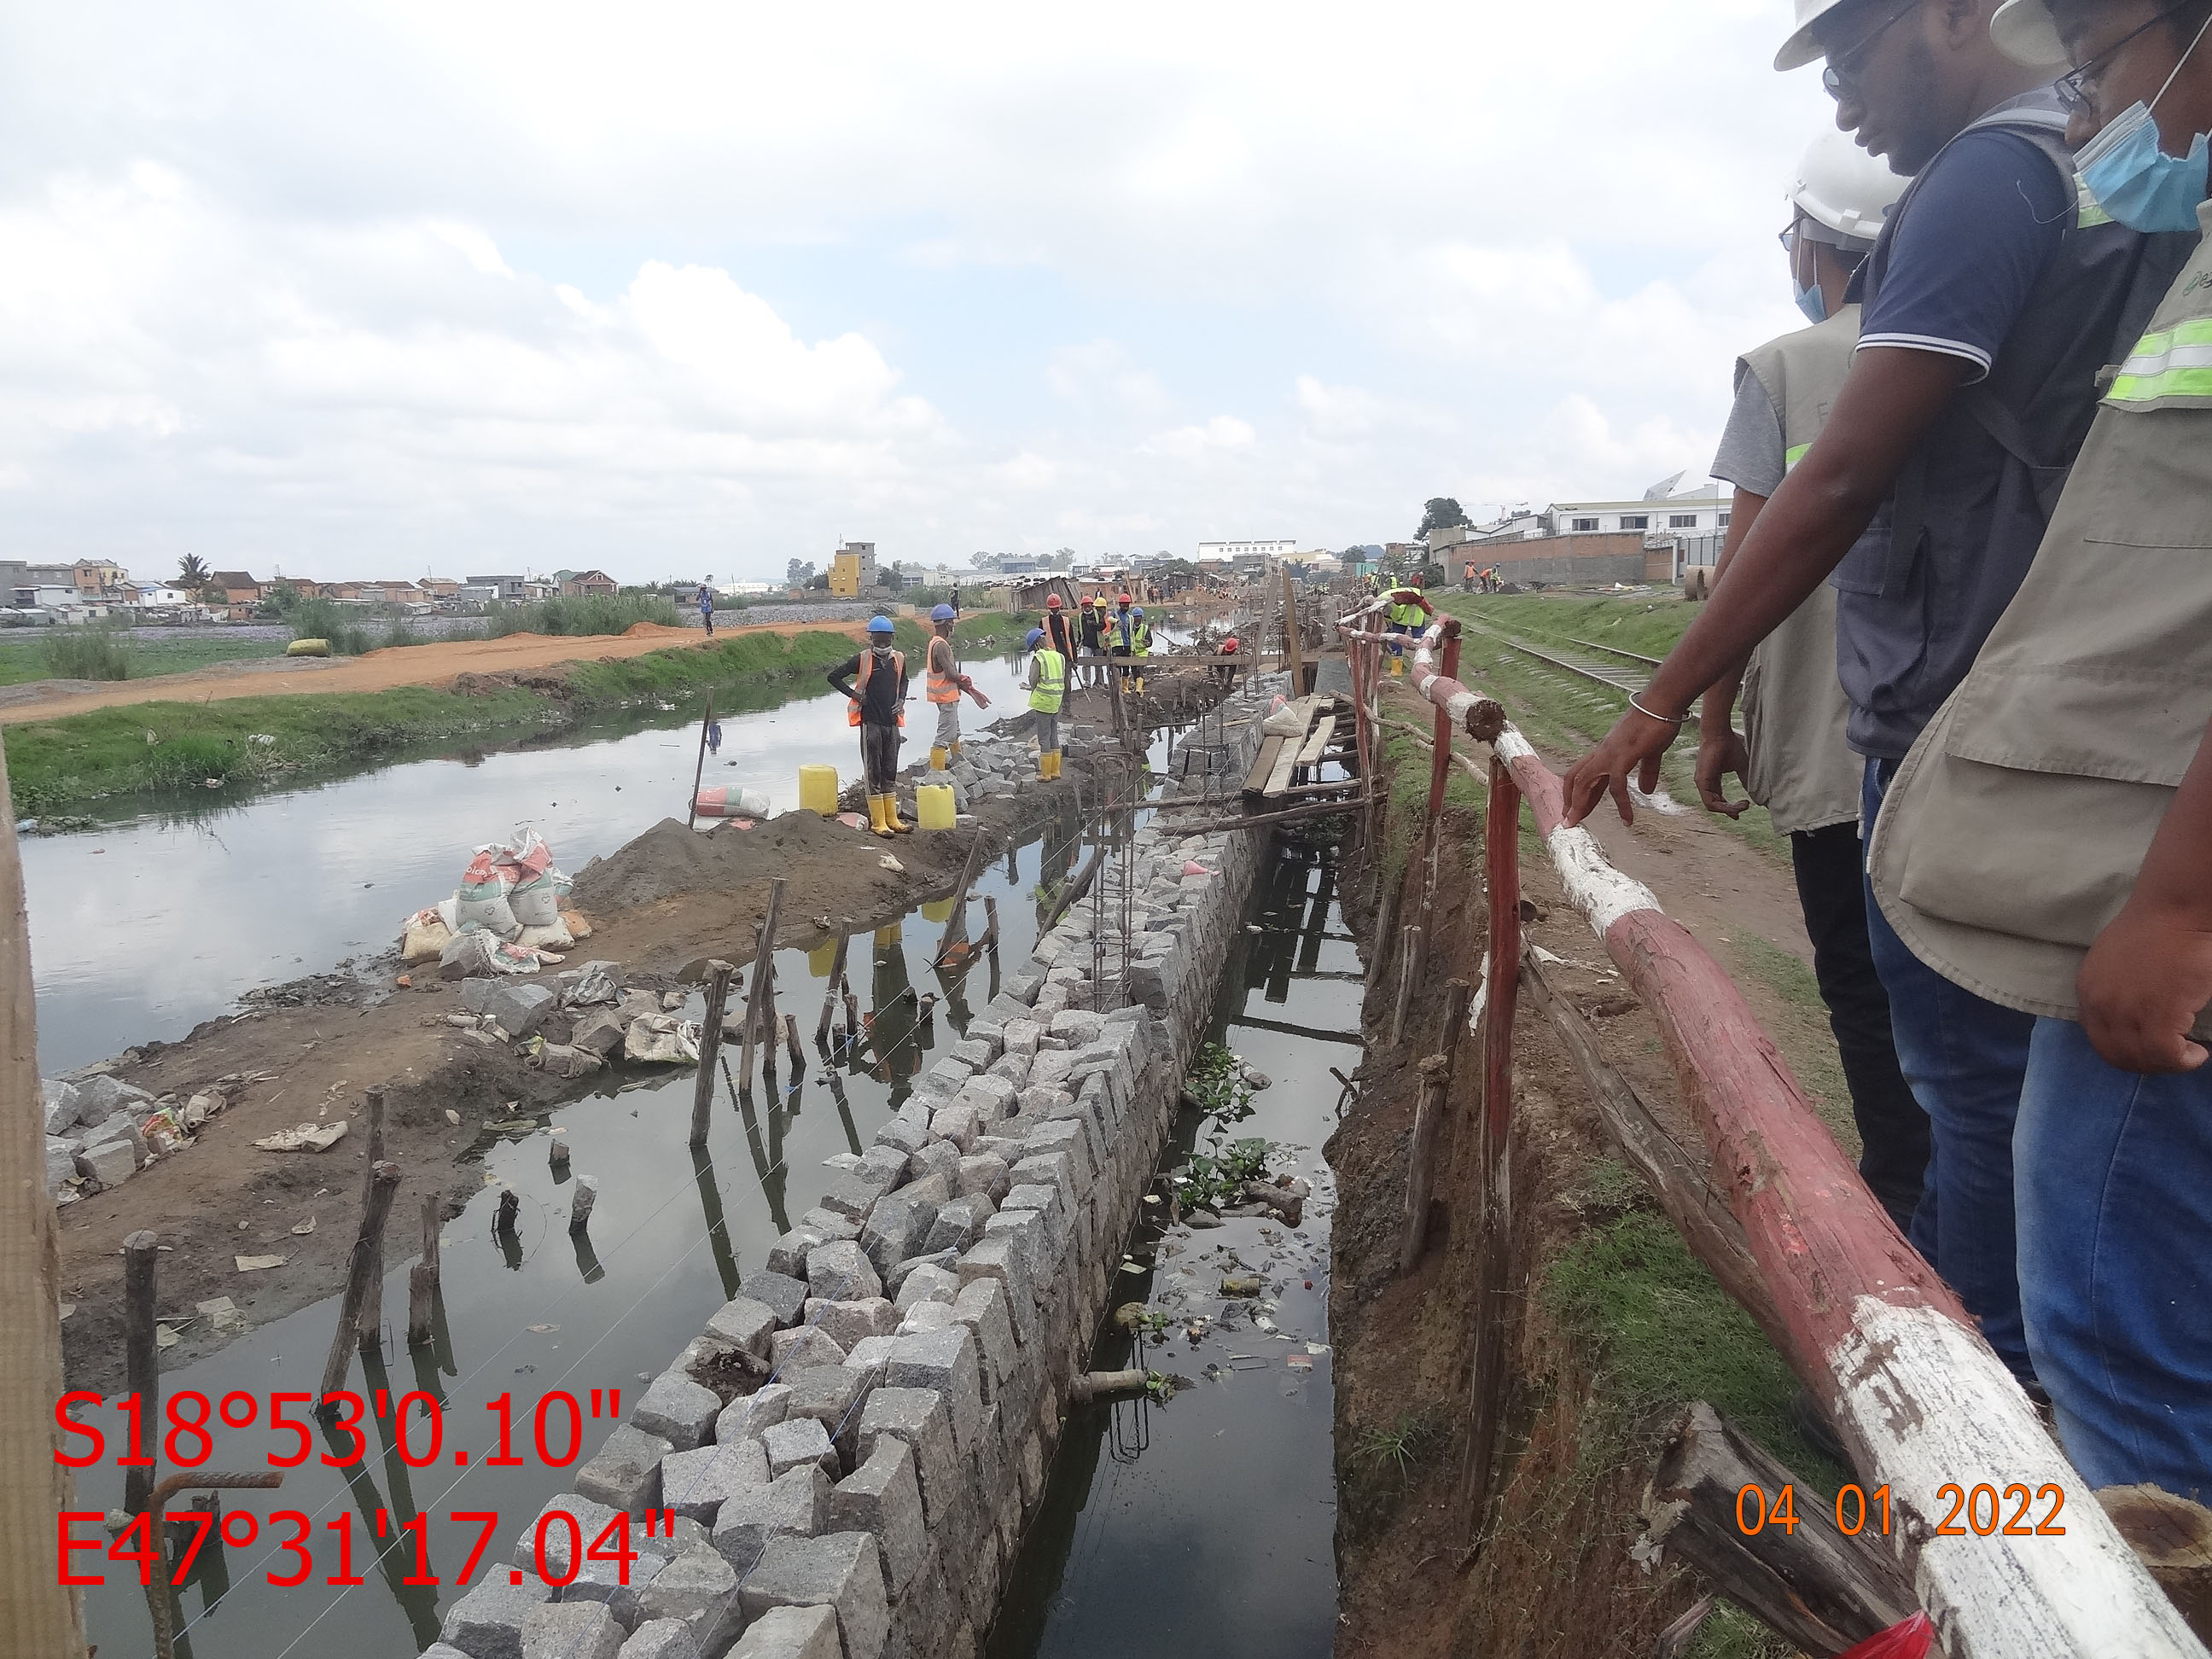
x=1811 y=301
x=2136 y=181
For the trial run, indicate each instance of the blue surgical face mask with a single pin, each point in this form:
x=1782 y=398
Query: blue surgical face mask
x=1810 y=301
x=2136 y=181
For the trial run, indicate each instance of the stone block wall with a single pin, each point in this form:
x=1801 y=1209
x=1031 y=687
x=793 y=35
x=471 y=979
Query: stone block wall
x=867 y=1426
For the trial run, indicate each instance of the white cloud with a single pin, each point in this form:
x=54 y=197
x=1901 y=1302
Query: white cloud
x=305 y=282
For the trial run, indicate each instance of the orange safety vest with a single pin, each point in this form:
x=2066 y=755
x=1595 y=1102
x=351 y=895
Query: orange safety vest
x=868 y=656
x=942 y=687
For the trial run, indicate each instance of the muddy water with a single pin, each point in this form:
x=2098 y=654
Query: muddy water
x=150 y=924
x=668 y=1242
x=1205 y=1525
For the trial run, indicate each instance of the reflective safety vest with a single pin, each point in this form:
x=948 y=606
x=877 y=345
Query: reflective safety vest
x=943 y=687
x=1052 y=681
x=867 y=659
x=1141 y=637
x=1407 y=613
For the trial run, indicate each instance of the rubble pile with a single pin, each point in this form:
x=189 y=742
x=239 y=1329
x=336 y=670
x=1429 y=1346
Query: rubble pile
x=102 y=1131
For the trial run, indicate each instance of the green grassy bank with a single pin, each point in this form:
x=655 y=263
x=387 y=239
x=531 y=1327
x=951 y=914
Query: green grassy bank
x=66 y=765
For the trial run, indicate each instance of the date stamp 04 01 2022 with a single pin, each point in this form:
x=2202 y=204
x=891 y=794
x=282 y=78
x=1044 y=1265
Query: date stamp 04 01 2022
x=560 y=1550
x=1979 y=1509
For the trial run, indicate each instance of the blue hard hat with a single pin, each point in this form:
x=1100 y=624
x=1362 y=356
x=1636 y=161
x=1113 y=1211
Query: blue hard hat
x=941 y=613
x=879 y=625
x=1029 y=644
x=1138 y=611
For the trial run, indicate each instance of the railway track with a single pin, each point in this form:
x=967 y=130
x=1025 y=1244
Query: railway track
x=1619 y=679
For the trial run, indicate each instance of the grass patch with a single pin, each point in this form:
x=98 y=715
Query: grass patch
x=86 y=653
x=581 y=613
x=1667 y=1334
x=347 y=628
x=1649 y=627
x=1731 y=1633
x=22 y=654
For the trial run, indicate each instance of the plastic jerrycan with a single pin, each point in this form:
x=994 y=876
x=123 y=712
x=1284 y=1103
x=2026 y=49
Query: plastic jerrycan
x=817 y=789
x=933 y=806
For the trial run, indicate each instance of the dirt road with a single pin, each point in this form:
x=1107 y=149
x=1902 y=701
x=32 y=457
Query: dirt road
x=380 y=670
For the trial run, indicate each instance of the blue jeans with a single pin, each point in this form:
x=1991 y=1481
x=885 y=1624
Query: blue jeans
x=2114 y=1176
x=1966 y=1060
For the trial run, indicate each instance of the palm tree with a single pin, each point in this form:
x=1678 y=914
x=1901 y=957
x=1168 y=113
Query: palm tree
x=191 y=572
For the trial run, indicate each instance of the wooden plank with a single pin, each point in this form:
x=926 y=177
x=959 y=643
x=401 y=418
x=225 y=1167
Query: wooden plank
x=1316 y=744
x=1263 y=764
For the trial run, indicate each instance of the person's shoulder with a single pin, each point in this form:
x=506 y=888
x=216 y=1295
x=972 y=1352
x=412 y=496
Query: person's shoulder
x=1994 y=165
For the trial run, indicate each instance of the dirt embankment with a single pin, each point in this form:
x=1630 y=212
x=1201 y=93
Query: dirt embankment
x=1605 y=1324
x=517 y=657
x=660 y=905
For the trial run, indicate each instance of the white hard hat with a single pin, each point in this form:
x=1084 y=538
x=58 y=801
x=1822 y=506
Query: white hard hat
x=1840 y=185
x=1800 y=49
x=2023 y=31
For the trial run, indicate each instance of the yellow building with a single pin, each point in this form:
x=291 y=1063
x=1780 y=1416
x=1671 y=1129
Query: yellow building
x=852 y=569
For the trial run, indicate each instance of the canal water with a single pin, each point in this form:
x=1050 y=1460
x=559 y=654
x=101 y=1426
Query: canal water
x=540 y=1314
x=153 y=922
x=1205 y=1524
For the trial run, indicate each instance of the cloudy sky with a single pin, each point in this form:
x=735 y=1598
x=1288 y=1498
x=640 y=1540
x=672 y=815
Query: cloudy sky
x=672 y=288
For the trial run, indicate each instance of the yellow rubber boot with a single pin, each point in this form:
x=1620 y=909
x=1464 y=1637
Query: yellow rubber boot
x=1044 y=764
x=1056 y=762
x=937 y=759
x=953 y=748
x=875 y=821
x=898 y=826
x=1397 y=668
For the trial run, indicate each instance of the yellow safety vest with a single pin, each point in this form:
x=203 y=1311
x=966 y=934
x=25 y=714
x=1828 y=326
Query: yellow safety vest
x=1052 y=681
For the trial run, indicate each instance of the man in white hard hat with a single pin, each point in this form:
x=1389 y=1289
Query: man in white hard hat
x=1793 y=757
x=1990 y=304
x=2049 y=838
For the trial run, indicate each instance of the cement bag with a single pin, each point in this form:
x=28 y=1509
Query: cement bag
x=481 y=903
x=534 y=896
x=470 y=954
x=448 y=914
x=424 y=937
x=1288 y=721
x=663 y=1039
x=555 y=937
x=574 y=922
x=727 y=803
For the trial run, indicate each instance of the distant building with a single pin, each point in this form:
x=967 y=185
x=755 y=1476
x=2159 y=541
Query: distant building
x=1212 y=552
x=1684 y=515
x=439 y=587
x=852 y=569
x=589 y=584
x=514 y=589
x=97 y=578
x=237 y=586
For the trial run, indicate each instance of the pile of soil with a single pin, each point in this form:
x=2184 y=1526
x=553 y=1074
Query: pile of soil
x=843 y=867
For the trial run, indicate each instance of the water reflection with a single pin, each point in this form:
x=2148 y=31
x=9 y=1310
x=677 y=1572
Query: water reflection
x=533 y=1310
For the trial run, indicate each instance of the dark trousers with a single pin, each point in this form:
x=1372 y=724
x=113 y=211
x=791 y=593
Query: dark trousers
x=1892 y=1129
x=879 y=747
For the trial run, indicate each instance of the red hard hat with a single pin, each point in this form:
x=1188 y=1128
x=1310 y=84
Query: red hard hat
x=1124 y=599
x=1088 y=602
x=1229 y=644
x=1052 y=602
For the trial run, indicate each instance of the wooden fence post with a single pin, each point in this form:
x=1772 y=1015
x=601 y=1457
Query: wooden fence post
x=1428 y=1118
x=1409 y=947
x=699 y=771
x=830 y=994
x=710 y=1045
x=422 y=1278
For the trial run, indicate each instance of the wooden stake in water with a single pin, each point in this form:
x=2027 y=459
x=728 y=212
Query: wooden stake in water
x=710 y=1045
x=830 y=994
x=422 y=1278
x=141 y=1372
x=757 y=994
x=698 y=772
x=372 y=1305
x=579 y=1208
x=383 y=1184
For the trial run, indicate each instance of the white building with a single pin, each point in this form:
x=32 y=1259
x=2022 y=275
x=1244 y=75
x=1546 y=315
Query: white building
x=1219 y=552
x=1680 y=515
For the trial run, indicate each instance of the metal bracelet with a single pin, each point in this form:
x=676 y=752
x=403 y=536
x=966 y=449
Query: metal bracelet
x=1676 y=720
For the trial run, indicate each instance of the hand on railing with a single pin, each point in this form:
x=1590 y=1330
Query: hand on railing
x=1631 y=749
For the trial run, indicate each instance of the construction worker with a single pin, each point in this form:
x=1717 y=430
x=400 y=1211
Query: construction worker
x=1793 y=757
x=1467 y=577
x=2048 y=838
x=1406 y=611
x=1140 y=643
x=1092 y=633
x=1995 y=293
x=1120 y=635
x=1047 y=684
x=1225 y=673
x=944 y=686
x=1059 y=627
x=878 y=708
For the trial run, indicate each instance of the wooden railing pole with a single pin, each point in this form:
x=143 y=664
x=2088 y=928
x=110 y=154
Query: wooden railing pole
x=1440 y=763
x=1501 y=847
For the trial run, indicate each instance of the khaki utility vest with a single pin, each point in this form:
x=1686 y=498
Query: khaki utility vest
x=1803 y=771
x=2015 y=827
